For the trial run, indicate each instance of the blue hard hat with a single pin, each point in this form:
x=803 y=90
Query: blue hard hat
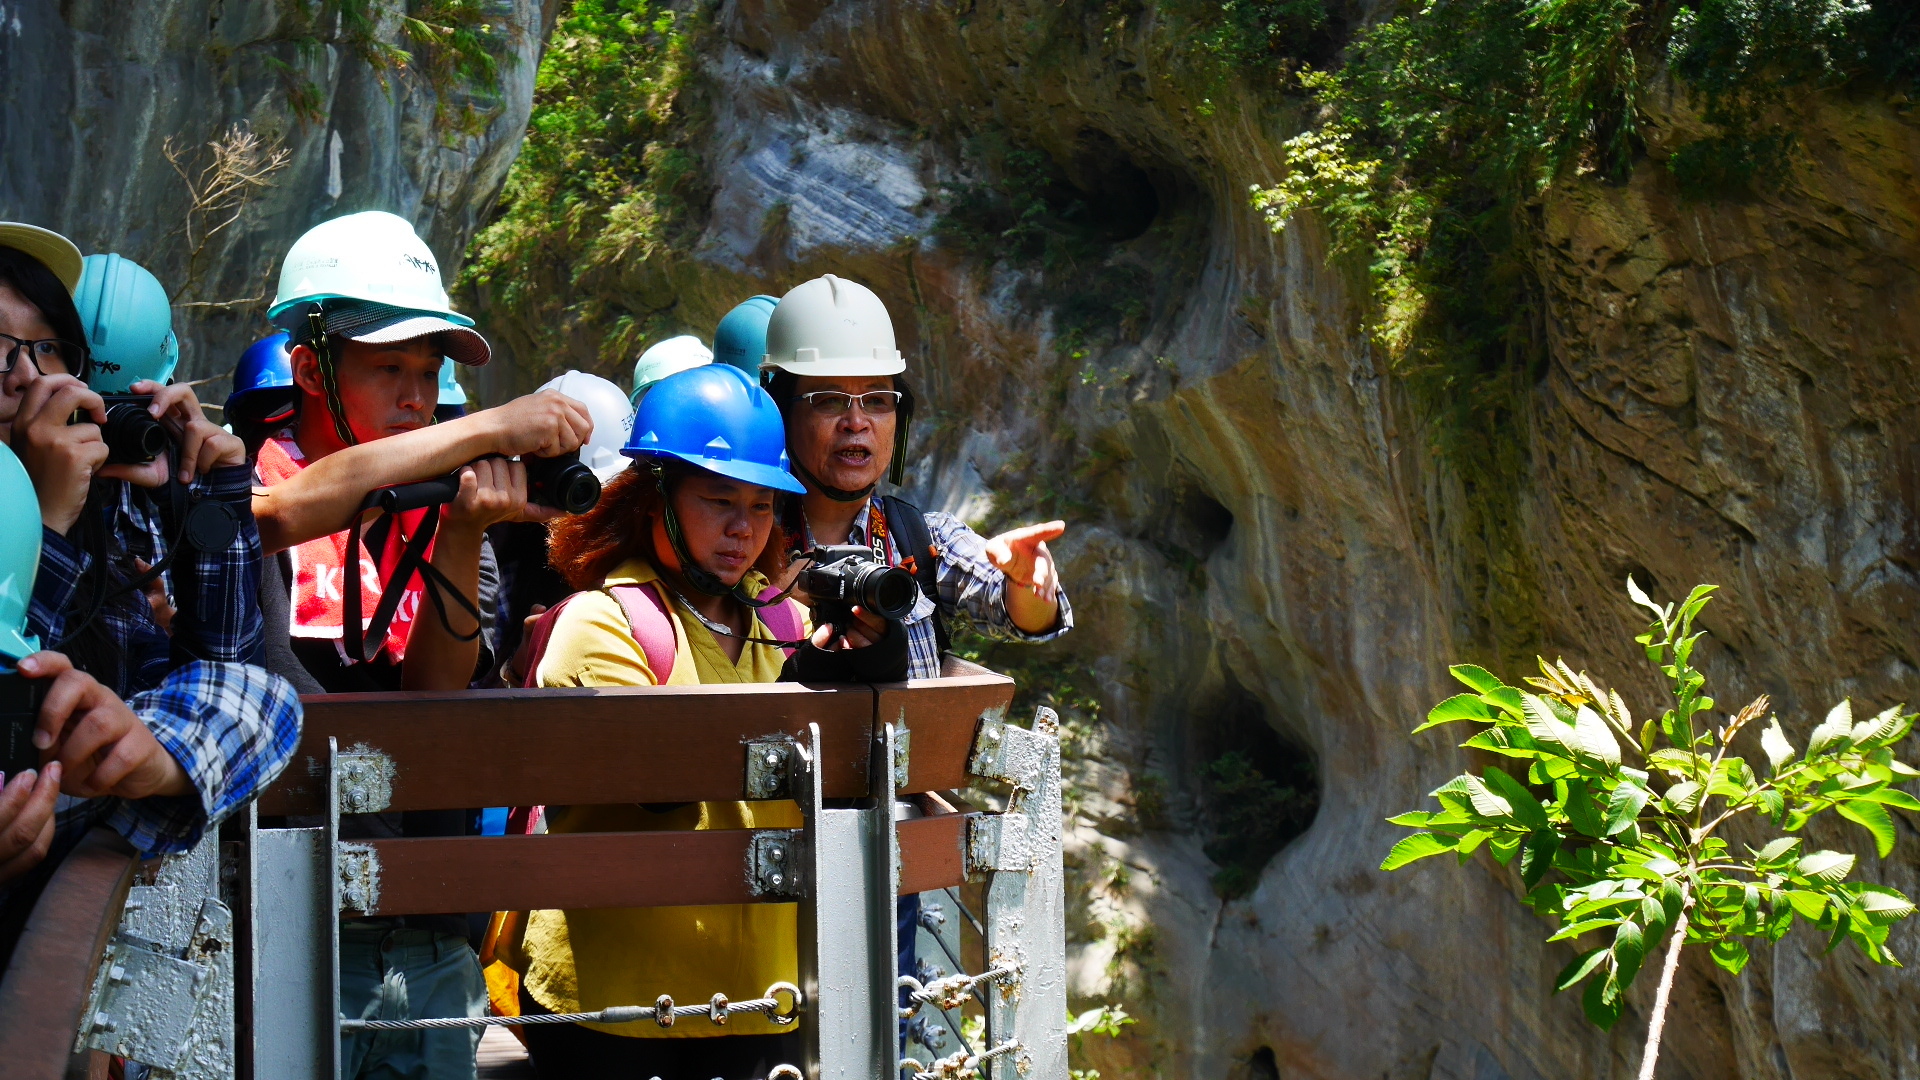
x=129 y=324
x=451 y=392
x=741 y=338
x=718 y=418
x=264 y=375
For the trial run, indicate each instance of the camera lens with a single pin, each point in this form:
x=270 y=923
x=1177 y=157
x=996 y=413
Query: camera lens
x=132 y=435
x=562 y=483
x=887 y=591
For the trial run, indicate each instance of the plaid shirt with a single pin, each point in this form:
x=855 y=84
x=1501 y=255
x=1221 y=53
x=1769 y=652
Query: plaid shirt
x=216 y=594
x=969 y=585
x=232 y=727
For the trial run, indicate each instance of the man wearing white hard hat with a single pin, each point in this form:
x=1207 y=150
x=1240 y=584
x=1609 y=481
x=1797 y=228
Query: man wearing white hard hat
x=370 y=325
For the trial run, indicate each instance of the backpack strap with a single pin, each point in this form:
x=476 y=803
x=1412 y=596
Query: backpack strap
x=783 y=620
x=909 y=525
x=537 y=641
x=651 y=625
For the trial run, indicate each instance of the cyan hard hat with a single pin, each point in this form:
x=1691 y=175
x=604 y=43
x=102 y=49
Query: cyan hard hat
x=716 y=417
x=664 y=358
x=263 y=380
x=741 y=338
x=451 y=392
x=19 y=557
x=129 y=324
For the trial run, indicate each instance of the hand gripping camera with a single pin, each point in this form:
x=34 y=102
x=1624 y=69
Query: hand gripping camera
x=844 y=575
x=132 y=435
x=19 y=714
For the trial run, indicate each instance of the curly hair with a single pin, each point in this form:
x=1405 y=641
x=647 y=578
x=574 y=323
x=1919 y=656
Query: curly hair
x=585 y=548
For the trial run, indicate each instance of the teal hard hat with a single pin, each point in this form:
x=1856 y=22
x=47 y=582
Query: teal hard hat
x=451 y=392
x=129 y=324
x=19 y=556
x=741 y=338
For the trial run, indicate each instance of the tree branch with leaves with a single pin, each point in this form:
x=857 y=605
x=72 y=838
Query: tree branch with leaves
x=1617 y=827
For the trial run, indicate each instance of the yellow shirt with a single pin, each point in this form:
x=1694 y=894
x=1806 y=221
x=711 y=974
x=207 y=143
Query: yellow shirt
x=579 y=961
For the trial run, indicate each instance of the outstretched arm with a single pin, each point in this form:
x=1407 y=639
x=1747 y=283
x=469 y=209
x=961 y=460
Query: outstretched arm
x=322 y=499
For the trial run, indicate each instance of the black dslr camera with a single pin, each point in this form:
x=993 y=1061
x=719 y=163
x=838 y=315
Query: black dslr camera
x=132 y=435
x=847 y=574
x=562 y=483
x=19 y=714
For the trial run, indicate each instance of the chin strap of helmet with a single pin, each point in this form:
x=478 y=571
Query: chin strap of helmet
x=897 y=469
x=329 y=377
x=698 y=576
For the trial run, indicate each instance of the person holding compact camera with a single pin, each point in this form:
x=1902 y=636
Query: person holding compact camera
x=674 y=567
x=149 y=556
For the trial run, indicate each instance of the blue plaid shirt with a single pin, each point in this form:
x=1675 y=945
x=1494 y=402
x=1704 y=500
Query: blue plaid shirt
x=969 y=586
x=232 y=727
x=216 y=594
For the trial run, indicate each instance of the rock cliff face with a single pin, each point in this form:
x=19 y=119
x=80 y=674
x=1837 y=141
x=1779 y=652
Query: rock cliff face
x=1267 y=551
x=92 y=94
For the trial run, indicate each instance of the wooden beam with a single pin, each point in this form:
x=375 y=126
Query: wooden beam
x=566 y=870
x=933 y=852
x=607 y=745
x=943 y=715
x=44 y=991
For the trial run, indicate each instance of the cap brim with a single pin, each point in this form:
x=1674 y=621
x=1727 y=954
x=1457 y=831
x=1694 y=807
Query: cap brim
x=746 y=472
x=851 y=366
x=461 y=344
x=56 y=251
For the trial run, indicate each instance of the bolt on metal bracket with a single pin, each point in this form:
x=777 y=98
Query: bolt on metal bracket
x=770 y=771
x=1009 y=754
x=366 y=780
x=359 y=877
x=774 y=866
x=144 y=1005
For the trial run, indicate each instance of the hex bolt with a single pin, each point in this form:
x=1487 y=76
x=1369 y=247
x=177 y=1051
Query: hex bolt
x=776 y=852
x=118 y=974
x=776 y=878
x=102 y=1022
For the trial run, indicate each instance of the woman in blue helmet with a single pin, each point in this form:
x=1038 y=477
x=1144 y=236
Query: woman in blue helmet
x=673 y=565
x=264 y=394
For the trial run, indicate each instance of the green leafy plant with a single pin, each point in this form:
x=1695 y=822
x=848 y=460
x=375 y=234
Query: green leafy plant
x=1617 y=826
x=1106 y=1021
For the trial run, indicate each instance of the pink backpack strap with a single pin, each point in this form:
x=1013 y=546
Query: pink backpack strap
x=537 y=641
x=782 y=619
x=651 y=625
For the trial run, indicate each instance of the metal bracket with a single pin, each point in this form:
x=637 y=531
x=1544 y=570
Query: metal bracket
x=774 y=865
x=902 y=742
x=366 y=780
x=1009 y=754
x=770 y=770
x=998 y=842
x=359 y=877
x=146 y=1005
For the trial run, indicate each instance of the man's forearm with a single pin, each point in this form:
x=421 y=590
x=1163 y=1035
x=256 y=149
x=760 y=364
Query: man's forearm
x=1029 y=612
x=436 y=659
x=322 y=498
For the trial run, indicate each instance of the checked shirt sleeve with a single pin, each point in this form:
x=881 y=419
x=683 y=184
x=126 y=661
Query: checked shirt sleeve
x=972 y=586
x=62 y=565
x=216 y=594
x=232 y=727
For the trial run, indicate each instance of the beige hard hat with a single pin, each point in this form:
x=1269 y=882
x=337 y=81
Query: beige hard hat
x=832 y=326
x=58 y=253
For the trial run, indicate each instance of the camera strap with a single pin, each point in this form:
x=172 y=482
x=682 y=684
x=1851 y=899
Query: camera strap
x=723 y=630
x=413 y=560
x=203 y=524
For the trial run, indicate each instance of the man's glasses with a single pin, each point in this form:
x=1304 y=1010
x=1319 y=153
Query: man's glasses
x=835 y=403
x=65 y=354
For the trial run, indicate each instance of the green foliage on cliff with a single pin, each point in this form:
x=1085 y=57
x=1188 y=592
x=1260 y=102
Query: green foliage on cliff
x=1616 y=825
x=456 y=49
x=603 y=181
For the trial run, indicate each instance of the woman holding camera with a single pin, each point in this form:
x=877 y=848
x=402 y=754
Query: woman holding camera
x=673 y=566
x=107 y=522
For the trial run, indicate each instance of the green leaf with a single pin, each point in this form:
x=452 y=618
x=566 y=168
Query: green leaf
x=1508 y=742
x=1583 y=810
x=1829 y=866
x=1594 y=738
x=1629 y=948
x=1838 y=725
x=1893 y=797
x=1623 y=809
x=1536 y=855
x=1506 y=699
x=1544 y=726
x=1809 y=905
x=1774 y=741
x=1776 y=849
x=1602 y=1003
x=1638 y=596
x=1581 y=967
x=1416 y=847
x=1575 y=929
x=1482 y=798
x=1884 y=905
x=1679 y=763
x=1730 y=955
x=1470 y=843
x=1889 y=726
x=1684 y=797
x=1874 y=818
x=1663 y=866
x=1525 y=808
x=1456 y=708
x=1480 y=679
x=1412 y=819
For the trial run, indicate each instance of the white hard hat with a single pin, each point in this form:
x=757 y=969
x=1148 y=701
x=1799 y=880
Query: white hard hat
x=832 y=326
x=612 y=420
x=669 y=357
x=374 y=257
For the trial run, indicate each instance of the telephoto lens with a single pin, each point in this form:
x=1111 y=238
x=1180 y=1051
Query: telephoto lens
x=847 y=575
x=132 y=435
x=562 y=483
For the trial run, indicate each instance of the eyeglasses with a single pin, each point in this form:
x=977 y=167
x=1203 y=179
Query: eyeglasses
x=65 y=353
x=835 y=403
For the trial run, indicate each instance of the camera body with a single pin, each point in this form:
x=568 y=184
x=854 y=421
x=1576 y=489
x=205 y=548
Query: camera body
x=132 y=435
x=19 y=714
x=562 y=483
x=844 y=575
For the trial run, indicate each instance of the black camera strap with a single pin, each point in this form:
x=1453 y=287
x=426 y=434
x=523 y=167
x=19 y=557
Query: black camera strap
x=204 y=524
x=413 y=560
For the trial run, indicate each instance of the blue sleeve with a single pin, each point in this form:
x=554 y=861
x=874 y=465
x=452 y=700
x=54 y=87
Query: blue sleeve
x=62 y=565
x=216 y=594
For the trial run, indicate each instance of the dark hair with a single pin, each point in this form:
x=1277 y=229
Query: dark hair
x=585 y=548
x=42 y=288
